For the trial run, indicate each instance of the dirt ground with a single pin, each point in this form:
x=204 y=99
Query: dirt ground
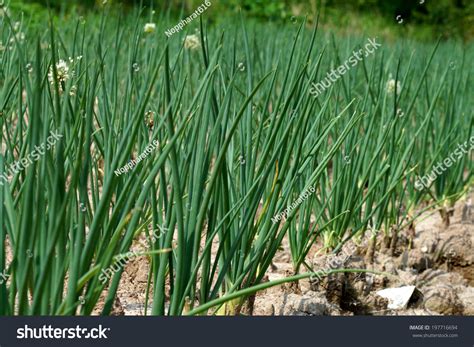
x=438 y=261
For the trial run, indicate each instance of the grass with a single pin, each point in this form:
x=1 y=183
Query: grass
x=240 y=138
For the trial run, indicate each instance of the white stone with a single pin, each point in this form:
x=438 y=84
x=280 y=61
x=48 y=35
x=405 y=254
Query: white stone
x=397 y=297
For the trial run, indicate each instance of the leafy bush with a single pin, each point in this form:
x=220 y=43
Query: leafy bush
x=445 y=18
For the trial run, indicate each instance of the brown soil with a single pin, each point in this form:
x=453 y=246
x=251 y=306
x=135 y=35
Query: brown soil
x=439 y=262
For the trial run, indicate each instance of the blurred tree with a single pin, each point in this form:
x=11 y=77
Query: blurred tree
x=447 y=17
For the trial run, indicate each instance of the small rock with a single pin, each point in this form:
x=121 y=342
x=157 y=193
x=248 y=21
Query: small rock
x=305 y=305
x=397 y=297
x=466 y=296
x=442 y=299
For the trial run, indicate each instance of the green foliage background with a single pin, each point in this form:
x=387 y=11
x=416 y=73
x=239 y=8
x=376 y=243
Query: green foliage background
x=429 y=18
